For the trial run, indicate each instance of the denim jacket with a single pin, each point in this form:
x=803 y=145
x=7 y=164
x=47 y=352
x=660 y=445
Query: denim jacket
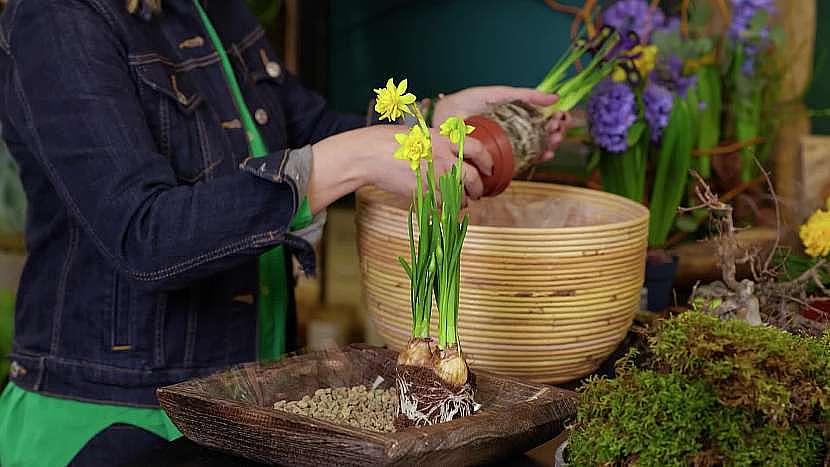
x=146 y=215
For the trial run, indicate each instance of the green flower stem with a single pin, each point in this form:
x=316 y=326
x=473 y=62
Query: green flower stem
x=555 y=75
x=423 y=267
x=452 y=236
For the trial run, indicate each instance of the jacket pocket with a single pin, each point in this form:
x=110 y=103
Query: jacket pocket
x=175 y=113
x=121 y=326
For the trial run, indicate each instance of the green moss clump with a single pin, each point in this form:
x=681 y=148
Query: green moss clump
x=785 y=377
x=714 y=393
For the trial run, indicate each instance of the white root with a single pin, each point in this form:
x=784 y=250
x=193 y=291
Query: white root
x=434 y=403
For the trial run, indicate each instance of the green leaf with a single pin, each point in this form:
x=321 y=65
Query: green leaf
x=405 y=266
x=593 y=160
x=671 y=174
x=635 y=131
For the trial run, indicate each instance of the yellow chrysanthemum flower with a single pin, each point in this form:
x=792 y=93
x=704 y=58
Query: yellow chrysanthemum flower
x=393 y=101
x=815 y=234
x=455 y=129
x=415 y=147
x=644 y=58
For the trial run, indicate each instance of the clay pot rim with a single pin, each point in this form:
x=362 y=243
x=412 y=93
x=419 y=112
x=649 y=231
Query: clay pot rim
x=495 y=140
x=821 y=315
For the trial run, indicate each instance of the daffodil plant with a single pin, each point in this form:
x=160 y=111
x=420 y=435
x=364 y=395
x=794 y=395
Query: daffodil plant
x=434 y=261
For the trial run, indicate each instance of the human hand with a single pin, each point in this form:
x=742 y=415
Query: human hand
x=390 y=174
x=556 y=128
x=476 y=100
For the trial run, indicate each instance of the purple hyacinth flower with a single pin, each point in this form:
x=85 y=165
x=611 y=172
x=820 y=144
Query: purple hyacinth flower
x=669 y=73
x=612 y=109
x=634 y=15
x=657 y=102
x=743 y=11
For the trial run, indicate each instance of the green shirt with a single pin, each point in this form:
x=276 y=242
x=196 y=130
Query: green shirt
x=37 y=430
x=41 y=430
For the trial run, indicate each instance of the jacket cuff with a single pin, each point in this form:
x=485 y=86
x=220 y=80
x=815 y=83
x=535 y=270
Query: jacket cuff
x=290 y=165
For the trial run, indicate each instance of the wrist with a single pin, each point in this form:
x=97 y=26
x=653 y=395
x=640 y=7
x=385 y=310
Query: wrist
x=340 y=166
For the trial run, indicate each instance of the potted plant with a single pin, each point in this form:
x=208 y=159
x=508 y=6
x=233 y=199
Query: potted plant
x=514 y=132
x=641 y=132
x=433 y=380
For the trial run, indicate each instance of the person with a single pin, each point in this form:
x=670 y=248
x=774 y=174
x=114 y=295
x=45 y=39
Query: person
x=165 y=152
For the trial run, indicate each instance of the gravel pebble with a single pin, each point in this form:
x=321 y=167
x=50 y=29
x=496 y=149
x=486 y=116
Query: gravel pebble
x=373 y=410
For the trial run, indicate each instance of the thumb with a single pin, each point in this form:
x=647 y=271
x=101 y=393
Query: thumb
x=529 y=95
x=535 y=97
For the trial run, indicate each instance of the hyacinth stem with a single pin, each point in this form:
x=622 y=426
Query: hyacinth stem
x=555 y=75
x=572 y=91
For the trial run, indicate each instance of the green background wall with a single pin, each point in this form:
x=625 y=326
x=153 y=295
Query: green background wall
x=440 y=46
x=445 y=45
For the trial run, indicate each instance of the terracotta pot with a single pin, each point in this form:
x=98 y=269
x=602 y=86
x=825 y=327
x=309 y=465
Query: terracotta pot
x=495 y=140
x=820 y=311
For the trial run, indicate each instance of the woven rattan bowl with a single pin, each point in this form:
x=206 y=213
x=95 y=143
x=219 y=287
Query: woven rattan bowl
x=550 y=277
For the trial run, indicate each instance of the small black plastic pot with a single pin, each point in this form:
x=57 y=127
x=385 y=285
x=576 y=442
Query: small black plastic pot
x=660 y=273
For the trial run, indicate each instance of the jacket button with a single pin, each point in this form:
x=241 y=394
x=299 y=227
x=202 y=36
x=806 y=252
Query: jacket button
x=261 y=116
x=273 y=69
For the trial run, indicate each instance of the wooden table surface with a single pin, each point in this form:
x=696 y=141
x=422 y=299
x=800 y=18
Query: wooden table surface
x=185 y=453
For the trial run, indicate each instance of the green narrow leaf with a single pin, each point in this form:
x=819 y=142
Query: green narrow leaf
x=406 y=267
x=662 y=179
x=635 y=131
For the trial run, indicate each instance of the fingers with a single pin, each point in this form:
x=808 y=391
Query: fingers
x=567 y=120
x=532 y=96
x=473 y=186
x=477 y=155
x=529 y=95
x=555 y=128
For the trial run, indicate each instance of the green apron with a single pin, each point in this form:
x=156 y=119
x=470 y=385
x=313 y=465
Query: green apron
x=38 y=430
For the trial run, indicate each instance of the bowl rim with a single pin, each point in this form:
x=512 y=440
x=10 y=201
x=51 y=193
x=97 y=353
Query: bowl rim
x=640 y=214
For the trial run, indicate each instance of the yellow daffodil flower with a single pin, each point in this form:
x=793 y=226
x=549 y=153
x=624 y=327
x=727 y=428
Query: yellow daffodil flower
x=815 y=233
x=393 y=101
x=455 y=129
x=415 y=147
x=644 y=58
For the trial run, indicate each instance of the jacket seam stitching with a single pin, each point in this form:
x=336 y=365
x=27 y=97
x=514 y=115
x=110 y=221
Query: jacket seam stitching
x=144 y=59
x=12 y=23
x=161 y=317
x=61 y=293
x=89 y=364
